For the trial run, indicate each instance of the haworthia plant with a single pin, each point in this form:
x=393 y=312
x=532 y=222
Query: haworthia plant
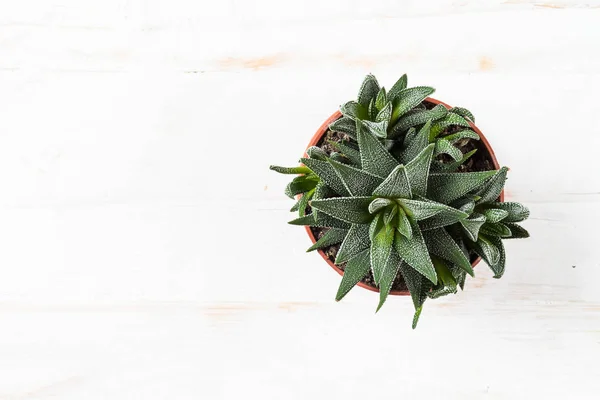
x=394 y=201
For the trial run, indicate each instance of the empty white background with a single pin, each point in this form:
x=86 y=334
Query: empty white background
x=144 y=250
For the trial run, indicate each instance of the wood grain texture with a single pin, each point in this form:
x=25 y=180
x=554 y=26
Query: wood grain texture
x=144 y=252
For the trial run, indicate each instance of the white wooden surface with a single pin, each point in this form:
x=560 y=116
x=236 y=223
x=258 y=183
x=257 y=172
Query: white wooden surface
x=144 y=250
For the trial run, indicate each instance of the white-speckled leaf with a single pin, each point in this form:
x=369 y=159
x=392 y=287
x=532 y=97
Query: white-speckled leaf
x=344 y=125
x=446 y=283
x=372 y=110
x=323 y=221
x=404 y=224
x=390 y=214
x=356 y=240
x=415 y=143
x=498 y=229
x=440 y=243
x=417 y=171
x=446 y=187
x=351 y=153
x=331 y=237
x=356 y=181
x=387 y=277
x=375 y=226
x=418 y=118
x=449 y=120
x=377 y=129
x=379 y=203
x=409 y=98
x=420 y=210
x=464 y=134
x=463 y=112
x=415 y=252
x=399 y=86
x=355 y=111
x=492 y=252
x=368 y=90
x=385 y=114
x=375 y=158
x=442 y=146
x=355 y=270
x=354 y=210
x=518 y=232
x=290 y=170
x=396 y=185
x=381 y=99
x=517 y=212
x=493 y=187
x=316 y=153
x=301 y=184
x=381 y=247
x=472 y=225
x=452 y=166
x=326 y=172
x=494 y=215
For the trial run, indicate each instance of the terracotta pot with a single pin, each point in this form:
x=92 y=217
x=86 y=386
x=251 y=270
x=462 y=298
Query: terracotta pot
x=317 y=137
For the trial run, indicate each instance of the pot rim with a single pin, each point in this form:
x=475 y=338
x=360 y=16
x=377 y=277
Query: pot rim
x=323 y=129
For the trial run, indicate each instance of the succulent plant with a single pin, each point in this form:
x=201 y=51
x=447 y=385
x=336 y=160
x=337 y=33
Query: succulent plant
x=397 y=204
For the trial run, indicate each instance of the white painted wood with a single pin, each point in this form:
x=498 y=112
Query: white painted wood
x=144 y=252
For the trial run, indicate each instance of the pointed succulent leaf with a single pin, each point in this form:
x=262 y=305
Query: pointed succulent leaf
x=354 y=110
x=378 y=129
x=301 y=184
x=409 y=98
x=416 y=317
x=331 y=237
x=317 y=153
x=375 y=226
x=290 y=170
x=387 y=277
x=339 y=157
x=417 y=171
x=356 y=240
x=497 y=229
x=449 y=120
x=368 y=90
x=419 y=209
x=415 y=143
x=472 y=225
x=466 y=204
x=390 y=214
x=344 y=125
x=418 y=286
x=381 y=247
x=325 y=171
x=355 y=270
x=303 y=202
x=464 y=134
x=415 y=253
x=492 y=251
x=517 y=231
x=404 y=225
x=493 y=187
x=378 y=204
x=398 y=87
x=296 y=206
x=418 y=118
x=446 y=282
x=381 y=99
x=324 y=221
x=463 y=112
x=372 y=110
x=354 y=210
x=446 y=187
x=517 y=212
x=356 y=181
x=494 y=215
x=349 y=152
x=375 y=158
x=452 y=166
x=440 y=243
x=396 y=185
x=442 y=146
x=385 y=114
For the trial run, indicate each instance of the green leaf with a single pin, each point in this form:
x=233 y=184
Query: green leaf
x=375 y=226
x=463 y=112
x=358 y=182
x=324 y=221
x=368 y=90
x=356 y=240
x=351 y=153
x=453 y=166
x=355 y=110
x=497 y=229
x=303 y=202
x=396 y=185
x=355 y=270
x=301 y=184
x=417 y=171
x=440 y=243
x=419 y=209
x=517 y=212
x=409 y=98
x=326 y=172
x=472 y=225
x=418 y=287
x=447 y=284
x=398 y=87
x=418 y=118
x=354 y=210
x=442 y=146
x=518 y=232
x=385 y=114
x=388 y=275
x=494 y=214
x=404 y=225
x=389 y=214
x=464 y=134
x=446 y=187
x=381 y=247
x=416 y=317
x=492 y=189
x=290 y=170
x=377 y=129
x=344 y=125
x=415 y=143
x=378 y=204
x=449 y=120
x=381 y=99
x=372 y=110
x=488 y=250
x=415 y=252
x=375 y=158
x=317 y=153
x=331 y=237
